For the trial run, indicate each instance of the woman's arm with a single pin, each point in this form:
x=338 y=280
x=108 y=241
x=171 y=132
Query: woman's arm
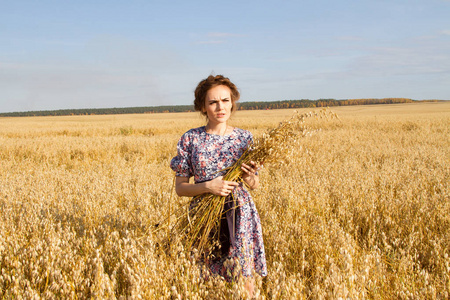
x=249 y=175
x=217 y=186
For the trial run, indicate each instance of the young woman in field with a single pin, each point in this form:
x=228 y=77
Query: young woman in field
x=204 y=153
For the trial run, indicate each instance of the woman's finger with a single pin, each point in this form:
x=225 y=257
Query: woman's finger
x=249 y=170
x=232 y=183
x=246 y=168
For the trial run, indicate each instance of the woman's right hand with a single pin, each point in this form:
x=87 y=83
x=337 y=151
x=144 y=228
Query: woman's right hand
x=220 y=187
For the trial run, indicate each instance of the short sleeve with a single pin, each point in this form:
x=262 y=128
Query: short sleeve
x=181 y=163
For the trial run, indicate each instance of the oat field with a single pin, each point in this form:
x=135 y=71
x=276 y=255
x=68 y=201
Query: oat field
x=360 y=211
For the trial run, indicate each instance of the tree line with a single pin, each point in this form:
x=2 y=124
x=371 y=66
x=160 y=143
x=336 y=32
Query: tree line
x=305 y=103
x=259 y=105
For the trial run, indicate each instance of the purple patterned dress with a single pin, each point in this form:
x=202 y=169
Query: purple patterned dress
x=202 y=155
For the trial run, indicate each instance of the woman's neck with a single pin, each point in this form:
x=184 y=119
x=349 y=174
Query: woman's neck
x=218 y=129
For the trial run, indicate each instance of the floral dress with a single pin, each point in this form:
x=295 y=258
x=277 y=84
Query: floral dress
x=203 y=155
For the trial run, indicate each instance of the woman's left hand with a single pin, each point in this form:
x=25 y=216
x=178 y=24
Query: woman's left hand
x=249 y=174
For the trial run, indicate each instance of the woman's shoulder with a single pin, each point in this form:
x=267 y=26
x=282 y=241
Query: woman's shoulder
x=242 y=132
x=190 y=138
x=194 y=132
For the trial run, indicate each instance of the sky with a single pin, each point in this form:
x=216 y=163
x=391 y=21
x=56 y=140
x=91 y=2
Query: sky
x=100 y=54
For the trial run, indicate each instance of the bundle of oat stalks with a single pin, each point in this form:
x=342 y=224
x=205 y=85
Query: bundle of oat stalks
x=199 y=226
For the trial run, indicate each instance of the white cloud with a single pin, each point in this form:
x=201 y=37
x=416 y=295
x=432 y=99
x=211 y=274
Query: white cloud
x=224 y=34
x=445 y=32
x=218 y=38
x=350 y=38
x=414 y=57
x=211 y=42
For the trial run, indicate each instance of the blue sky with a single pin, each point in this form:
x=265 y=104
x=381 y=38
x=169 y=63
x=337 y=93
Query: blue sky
x=95 y=54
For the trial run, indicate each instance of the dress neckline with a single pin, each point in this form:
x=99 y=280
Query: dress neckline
x=218 y=135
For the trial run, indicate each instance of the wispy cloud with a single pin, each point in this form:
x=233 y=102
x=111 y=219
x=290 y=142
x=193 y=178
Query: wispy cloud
x=445 y=32
x=113 y=73
x=224 y=34
x=402 y=61
x=350 y=38
x=211 y=42
x=47 y=86
x=218 y=38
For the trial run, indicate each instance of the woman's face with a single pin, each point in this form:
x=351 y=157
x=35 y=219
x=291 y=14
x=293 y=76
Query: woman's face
x=218 y=104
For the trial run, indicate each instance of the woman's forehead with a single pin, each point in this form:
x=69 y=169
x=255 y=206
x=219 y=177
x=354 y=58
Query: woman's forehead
x=218 y=92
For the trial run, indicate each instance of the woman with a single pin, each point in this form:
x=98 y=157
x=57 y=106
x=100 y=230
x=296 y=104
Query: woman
x=202 y=153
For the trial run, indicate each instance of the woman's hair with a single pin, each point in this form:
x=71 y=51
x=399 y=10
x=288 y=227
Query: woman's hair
x=212 y=81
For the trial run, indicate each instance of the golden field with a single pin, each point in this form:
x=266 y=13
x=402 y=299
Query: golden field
x=360 y=211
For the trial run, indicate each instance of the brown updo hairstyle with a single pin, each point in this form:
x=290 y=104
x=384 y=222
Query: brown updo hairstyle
x=212 y=81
